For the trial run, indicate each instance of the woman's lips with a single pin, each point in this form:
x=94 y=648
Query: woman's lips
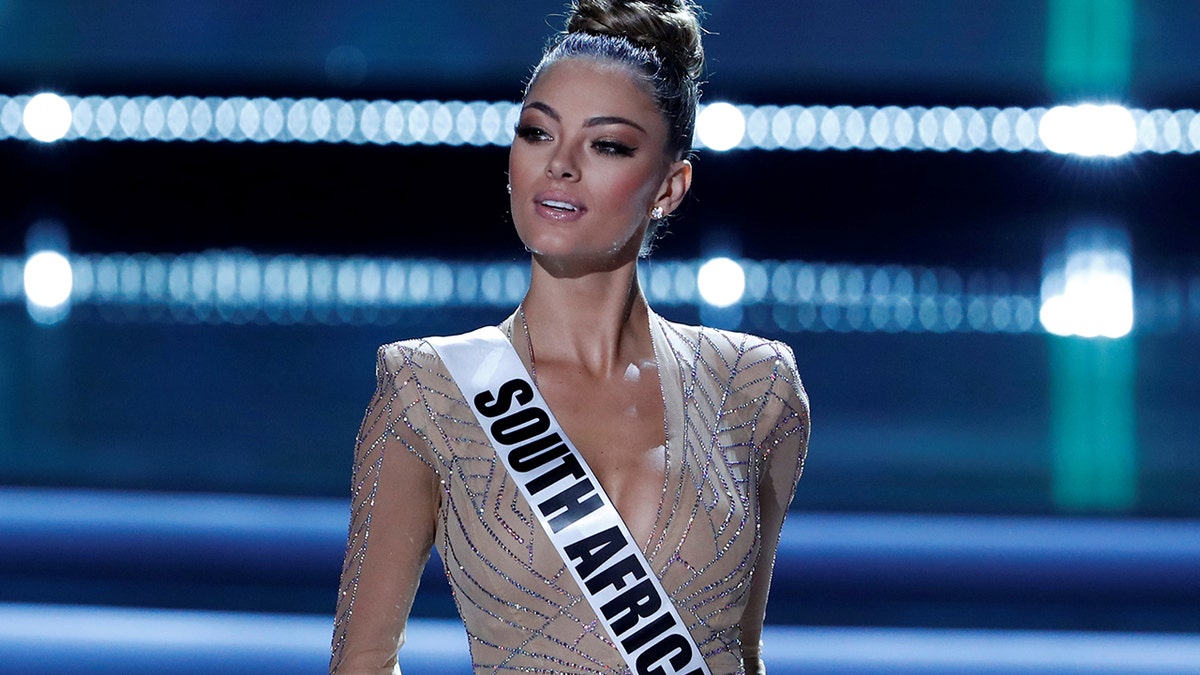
x=558 y=207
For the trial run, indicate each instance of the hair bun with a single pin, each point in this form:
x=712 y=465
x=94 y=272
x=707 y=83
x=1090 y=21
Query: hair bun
x=670 y=27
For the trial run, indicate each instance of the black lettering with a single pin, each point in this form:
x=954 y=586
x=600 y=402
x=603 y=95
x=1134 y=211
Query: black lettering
x=578 y=501
x=594 y=550
x=649 y=662
x=569 y=467
x=614 y=575
x=647 y=633
x=534 y=453
x=521 y=426
x=494 y=406
x=637 y=602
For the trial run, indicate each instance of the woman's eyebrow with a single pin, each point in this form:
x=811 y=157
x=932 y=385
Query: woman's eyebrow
x=538 y=105
x=591 y=121
x=612 y=119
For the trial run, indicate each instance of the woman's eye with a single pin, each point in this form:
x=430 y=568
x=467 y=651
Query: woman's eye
x=613 y=148
x=531 y=133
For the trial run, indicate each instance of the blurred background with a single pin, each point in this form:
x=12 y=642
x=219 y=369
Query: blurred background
x=974 y=222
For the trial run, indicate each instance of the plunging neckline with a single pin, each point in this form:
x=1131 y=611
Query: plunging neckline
x=671 y=459
x=667 y=369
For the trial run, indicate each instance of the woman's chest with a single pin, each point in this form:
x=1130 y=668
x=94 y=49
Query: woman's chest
x=619 y=428
x=690 y=500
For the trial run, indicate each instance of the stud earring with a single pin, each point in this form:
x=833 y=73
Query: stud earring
x=509 y=188
x=656 y=213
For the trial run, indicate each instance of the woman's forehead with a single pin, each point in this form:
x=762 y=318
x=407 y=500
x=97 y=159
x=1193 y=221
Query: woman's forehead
x=591 y=87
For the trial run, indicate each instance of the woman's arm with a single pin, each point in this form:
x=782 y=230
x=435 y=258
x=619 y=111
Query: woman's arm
x=784 y=449
x=394 y=501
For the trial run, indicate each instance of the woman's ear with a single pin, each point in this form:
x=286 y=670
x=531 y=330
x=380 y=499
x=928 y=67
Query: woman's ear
x=675 y=186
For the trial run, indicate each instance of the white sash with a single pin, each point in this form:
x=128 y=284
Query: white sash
x=570 y=504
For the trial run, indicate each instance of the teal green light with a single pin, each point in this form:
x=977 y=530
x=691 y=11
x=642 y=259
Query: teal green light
x=1092 y=424
x=1089 y=47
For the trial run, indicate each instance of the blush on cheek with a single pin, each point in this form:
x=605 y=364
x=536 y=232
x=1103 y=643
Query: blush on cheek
x=631 y=194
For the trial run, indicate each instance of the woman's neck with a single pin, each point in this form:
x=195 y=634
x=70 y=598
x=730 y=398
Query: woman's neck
x=597 y=322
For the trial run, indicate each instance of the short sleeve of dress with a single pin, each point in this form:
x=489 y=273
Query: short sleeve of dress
x=393 y=520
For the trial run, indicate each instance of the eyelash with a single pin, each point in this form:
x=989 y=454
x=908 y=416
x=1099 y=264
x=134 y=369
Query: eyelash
x=533 y=134
x=530 y=133
x=613 y=148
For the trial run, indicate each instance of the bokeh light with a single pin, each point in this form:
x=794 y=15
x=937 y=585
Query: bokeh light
x=721 y=282
x=1088 y=292
x=48 y=279
x=47 y=117
x=720 y=126
x=1089 y=130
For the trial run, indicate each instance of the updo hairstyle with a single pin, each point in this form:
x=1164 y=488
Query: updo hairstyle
x=658 y=40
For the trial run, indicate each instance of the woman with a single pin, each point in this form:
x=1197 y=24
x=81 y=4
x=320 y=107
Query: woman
x=696 y=435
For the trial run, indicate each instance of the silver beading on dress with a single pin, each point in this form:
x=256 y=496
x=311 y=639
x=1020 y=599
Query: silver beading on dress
x=736 y=421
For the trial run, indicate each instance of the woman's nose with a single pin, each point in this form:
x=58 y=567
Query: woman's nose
x=562 y=166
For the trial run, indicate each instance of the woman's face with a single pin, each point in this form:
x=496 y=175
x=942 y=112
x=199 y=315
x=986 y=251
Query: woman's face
x=589 y=163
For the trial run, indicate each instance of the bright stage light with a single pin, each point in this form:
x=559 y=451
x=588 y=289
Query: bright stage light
x=47 y=117
x=721 y=282
x=48 y=279
x=1089 y=130
x=1091 y=296
x=720 y=126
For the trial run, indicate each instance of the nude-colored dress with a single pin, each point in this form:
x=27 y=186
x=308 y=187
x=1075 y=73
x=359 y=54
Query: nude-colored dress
x=736 y=428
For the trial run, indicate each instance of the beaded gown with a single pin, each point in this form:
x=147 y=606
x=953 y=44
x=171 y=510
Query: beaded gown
x=736 y=422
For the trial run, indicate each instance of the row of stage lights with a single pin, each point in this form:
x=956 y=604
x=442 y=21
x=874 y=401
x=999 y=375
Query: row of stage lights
x=1085 y=130
x=234 y=287
x=1089 y=294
